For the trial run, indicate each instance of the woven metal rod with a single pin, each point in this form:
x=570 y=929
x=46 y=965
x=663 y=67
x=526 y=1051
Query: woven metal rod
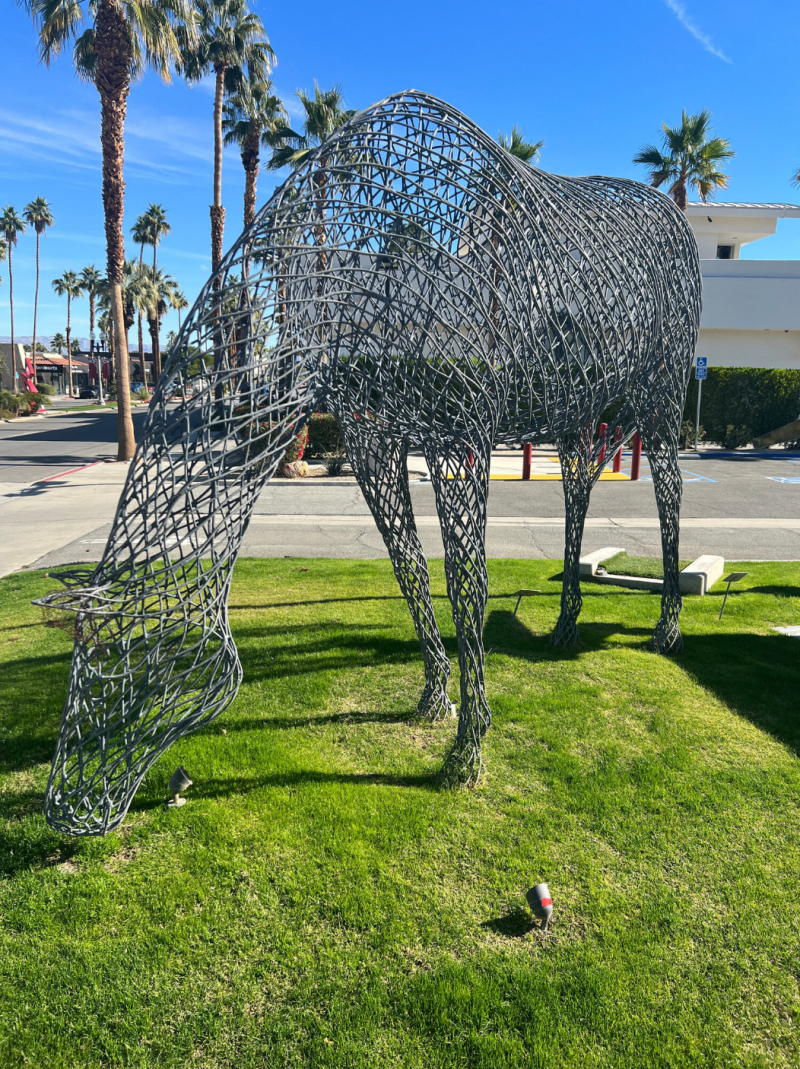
x=434 y=293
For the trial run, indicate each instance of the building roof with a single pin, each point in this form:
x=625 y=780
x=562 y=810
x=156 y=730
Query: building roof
x=51 y=358
x=719 y=207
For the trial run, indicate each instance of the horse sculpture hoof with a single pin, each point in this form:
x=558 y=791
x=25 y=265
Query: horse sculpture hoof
x=565 y=636
x=668 y=641
x=435 y=705
x=461 y=769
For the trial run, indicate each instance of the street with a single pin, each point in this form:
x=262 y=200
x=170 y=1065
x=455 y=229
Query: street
x=58 y=501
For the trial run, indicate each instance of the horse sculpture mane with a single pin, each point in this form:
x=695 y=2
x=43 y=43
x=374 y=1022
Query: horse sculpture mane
x=432 y=291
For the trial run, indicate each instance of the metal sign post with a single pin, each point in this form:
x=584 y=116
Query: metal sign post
x=700 y=373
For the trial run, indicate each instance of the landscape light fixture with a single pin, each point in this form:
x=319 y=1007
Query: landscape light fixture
x=179 y=782
x=541 y=903
x=734 y=577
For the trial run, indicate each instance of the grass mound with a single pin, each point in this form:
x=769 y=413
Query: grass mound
x=318 y=903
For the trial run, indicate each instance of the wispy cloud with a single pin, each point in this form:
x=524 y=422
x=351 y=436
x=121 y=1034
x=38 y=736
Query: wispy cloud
x=685 y=20
x=175 y=148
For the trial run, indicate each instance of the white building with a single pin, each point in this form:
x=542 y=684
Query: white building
x=751 y=308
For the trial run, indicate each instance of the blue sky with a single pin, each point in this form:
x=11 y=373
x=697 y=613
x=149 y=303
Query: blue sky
x=594 y=79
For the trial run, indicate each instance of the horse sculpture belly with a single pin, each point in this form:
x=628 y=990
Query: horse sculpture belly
x=430 y=289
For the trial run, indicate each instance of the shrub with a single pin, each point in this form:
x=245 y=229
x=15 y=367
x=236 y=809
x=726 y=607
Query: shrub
x=297 y=448
x=334 y=465
x=20 y=404
x=324 y=435
x=8 y=404
x=741 y=403
x=46 y=389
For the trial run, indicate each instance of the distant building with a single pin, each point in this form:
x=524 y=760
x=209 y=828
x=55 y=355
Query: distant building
x=751 y=308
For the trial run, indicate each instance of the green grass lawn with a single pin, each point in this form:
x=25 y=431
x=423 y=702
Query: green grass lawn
x=644 y=567
x=318 y=903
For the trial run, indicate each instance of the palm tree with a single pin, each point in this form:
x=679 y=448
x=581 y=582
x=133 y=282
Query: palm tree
x=57 y=343
x=527 y=151
x=124 y=37
x=140 y=232
x=688 y=157
x=325 y=113
x=11 y=226
x=91 y=281
x=159 y=302
x=106 y=328
x=232 y=40
x=69 y=286
x=179 y=302
x=136 y=292
x=3 y=252
x=253 y=117
x=158 y=226
x=38 y=215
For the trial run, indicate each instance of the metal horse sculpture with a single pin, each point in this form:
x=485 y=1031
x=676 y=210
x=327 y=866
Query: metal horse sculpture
x=433 y=292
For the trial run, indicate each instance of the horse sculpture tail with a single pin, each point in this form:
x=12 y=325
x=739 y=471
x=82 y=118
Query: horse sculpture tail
x=154 y=658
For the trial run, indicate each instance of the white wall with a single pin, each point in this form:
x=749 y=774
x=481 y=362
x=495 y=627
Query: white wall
x=751 y=313
x=750 y=348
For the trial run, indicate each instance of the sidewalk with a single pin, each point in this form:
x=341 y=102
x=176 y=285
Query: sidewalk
x=42 y=517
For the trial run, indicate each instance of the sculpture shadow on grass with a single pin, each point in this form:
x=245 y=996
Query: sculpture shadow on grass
x=370 y=597
x=773 y=591
x=756 y=676
x=227 y=786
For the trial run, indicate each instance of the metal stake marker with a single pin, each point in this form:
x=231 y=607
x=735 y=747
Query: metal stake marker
x=734 y=577
x=523 y=594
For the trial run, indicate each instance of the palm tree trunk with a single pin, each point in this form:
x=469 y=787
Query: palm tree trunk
x=679 y=194
x=217 y=211
x=139 y=328
x=69 y=345
x=97 y=363
x=113 y=51
x=153 y=326
x=11 y=308
x=250 y=162
x=35 y=311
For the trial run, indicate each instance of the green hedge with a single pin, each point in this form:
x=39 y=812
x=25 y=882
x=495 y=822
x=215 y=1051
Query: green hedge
x=740 y=403
x=324 y=436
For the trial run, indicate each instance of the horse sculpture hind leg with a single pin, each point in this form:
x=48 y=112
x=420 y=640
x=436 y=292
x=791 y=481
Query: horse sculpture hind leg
x=380 y=465
x=579 y=475
x=460 y=477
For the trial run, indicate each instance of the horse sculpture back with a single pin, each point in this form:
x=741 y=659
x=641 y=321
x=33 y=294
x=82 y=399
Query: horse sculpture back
x=432 y=291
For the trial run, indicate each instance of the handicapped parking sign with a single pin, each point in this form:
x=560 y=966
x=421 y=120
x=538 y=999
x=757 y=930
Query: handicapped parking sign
x=701 y=368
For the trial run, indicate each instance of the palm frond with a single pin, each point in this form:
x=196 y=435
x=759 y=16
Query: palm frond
x=58 y=22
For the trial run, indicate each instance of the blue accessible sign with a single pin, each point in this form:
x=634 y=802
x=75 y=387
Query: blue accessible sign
x=701 y=368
